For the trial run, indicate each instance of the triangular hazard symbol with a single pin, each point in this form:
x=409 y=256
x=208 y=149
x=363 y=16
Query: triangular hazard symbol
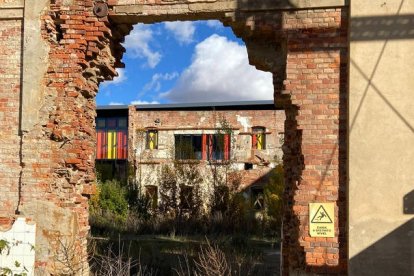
x=321 y=216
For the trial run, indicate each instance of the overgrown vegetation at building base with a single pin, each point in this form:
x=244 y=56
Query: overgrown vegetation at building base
x=160 y=255
x=177 y=233
x=120 y=208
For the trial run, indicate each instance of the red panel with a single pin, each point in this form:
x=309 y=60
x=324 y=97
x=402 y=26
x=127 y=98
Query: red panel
x=226 y=147
x=122 y=145
x=254 y=141
x=100 y=144
x=204 y=147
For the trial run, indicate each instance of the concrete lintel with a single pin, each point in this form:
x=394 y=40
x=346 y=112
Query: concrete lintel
x=35 y=63
x=129 y=9
x=266 y=5
x=303 y=4
x=11 y=13
x=11 y=4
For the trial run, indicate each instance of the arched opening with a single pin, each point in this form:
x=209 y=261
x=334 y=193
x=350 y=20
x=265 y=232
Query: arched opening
x=207 y=131
x=303 y=46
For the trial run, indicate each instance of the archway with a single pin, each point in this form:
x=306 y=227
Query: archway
x=303 y=46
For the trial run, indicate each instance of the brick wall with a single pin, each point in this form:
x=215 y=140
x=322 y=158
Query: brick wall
x=315 y=158
x=172 y=122
x=58 y=153
x=241 y=122
x=10 y=82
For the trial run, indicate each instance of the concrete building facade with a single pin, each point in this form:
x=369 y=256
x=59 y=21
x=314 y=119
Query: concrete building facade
x=243 y=138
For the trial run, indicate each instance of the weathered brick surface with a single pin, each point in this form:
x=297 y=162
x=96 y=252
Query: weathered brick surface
x=304 y=49
x=10 y=82
x=315 y=158
x=207 y=121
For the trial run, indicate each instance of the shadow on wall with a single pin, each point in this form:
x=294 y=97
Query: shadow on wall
x=391 y=255
x=394 y=253
x=382 y=27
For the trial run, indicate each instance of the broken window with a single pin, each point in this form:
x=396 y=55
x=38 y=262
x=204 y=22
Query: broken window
x=186 y=197
x=248 y=166
x=151 y=192
x=218 y=146
x=202 y=147
x=152 y=139
x=221 y=198
x=257 y=197
x=188 y=147
x=259 y=138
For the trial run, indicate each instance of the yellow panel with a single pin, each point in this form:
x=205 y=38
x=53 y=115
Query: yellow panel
x=152 y=139
x=111 y=144
x=259 y=141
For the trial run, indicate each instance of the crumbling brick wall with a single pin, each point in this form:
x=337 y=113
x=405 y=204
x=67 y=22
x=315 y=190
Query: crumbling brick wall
x=10 y=83
x=305 y=49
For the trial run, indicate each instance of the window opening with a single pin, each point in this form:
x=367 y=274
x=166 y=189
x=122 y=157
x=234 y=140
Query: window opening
x=202 y=147
x=257 y=198
x=259 y=138
x=188 y=147
x=248 y=166
x=218 y=146
x=221 y=198
x=152 y=139
x=186 y=197
x=151 y=192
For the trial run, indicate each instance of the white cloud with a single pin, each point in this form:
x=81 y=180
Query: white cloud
x=214 y=24
x=155 y=84
x=137 y=44
x=144 y=102
x=183 y=30
x=220 y=71
x=118 y=79
x=115 y=103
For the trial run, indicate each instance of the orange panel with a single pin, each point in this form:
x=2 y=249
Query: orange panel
x=122 y=145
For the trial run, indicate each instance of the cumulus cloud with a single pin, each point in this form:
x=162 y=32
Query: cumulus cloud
x=138 y=42
x=220 y=71
x=118 y=79
x=139 y=102
x=183 y=31
x=115 y=103
x=155 y=84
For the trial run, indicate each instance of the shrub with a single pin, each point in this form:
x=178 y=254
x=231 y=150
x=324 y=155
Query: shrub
x=110 y=202
x=273 y=195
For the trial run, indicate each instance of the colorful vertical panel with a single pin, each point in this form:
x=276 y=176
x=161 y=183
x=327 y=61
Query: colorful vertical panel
x=111 y=144
x=122 y=143
x=204 y=147
x=254 y=141
x=101 y=152
x=152 y=139
x=260 y=140
x=226 y=146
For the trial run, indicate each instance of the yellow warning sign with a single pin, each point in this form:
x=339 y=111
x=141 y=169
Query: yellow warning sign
x=322 y=220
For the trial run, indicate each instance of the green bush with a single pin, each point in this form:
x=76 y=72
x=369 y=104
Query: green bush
x=110 y=201
x=273 y=194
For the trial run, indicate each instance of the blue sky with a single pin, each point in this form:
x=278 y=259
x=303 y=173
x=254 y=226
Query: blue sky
x=177 y=62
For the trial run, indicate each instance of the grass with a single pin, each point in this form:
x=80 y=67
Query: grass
x=164 y=254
